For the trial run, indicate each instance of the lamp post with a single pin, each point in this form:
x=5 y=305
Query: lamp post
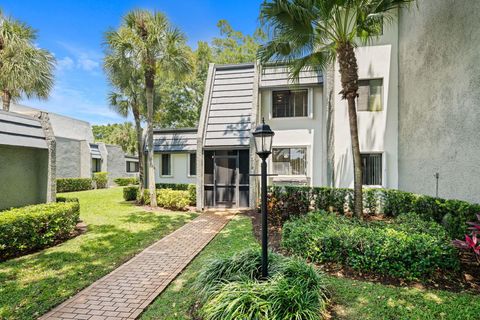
x=263 y=137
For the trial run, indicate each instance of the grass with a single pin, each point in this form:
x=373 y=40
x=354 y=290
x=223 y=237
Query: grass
x=351 y=299
x=177 y=299
x=33 y=284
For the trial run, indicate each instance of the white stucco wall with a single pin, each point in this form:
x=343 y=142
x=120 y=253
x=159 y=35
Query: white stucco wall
x=179 y=167
x=378 y=131
x=300 y=132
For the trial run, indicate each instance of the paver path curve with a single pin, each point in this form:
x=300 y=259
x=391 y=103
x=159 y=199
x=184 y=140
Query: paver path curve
x=128 y=290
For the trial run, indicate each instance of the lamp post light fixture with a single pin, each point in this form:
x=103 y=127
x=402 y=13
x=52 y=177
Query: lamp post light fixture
x=263 y=137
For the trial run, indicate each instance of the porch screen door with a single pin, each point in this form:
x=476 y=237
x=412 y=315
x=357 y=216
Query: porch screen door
x=226 y=174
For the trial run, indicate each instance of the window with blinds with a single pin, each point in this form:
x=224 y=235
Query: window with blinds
x=132 y=166
x=166 y=165
x=96 y=165
x=372 y=169
x=370 y=95
x=289 y=103
x=289 y=161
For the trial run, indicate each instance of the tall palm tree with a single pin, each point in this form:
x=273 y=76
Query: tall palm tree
x=158 y=47
x=125 y=76
x=314 y=33
x=24 y=68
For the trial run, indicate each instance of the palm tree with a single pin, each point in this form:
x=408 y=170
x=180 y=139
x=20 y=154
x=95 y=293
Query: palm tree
x=125 y=77
x=157 y=47
x=24 y=68
x=314 y=33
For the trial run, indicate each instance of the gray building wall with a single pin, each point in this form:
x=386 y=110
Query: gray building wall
x=439 y=102
x=25 y=178
x=116 y=164
x=68 y=158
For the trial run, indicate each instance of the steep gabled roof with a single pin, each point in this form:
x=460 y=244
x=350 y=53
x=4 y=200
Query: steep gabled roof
x=229 y=107
x=175 y=140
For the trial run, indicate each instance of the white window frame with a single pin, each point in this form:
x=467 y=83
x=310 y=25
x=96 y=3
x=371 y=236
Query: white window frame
x=189 y=164
x=307 y=159
x=309 y=103
x=384 y=169
x=161 y=166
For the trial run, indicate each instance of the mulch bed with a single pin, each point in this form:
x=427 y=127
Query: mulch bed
x=467 y=279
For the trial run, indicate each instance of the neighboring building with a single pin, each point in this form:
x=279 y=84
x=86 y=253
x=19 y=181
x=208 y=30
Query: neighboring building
x=417 y=113
x=78 y=156
x=175 y=155
x=27 y=160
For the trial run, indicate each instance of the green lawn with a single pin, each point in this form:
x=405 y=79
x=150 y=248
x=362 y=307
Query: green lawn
x=352 y=299
x=33 y=284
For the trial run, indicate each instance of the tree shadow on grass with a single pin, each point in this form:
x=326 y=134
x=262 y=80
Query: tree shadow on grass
x=33 y=284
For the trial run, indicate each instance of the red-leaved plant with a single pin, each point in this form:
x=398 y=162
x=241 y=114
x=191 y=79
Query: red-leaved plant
x=472 y=241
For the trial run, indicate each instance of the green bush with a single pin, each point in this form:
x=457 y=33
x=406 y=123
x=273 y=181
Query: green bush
x=408 y=248
x=287 y=202
x=173 y=186
x=192 y=194
x=65 y=199
x=230 y=288
x=123 y=182
x=130 y=193
x=100 y=179
x=173 y=199
x=30 y=228
x=74 y=184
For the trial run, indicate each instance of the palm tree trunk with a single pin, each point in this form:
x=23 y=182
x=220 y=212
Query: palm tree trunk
x=149 y=83
x=6 y=98
x=141 y=171
x=349 y=77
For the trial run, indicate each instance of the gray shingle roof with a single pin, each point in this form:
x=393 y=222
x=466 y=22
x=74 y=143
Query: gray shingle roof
x=20 y=130
x=175 y=140
x=278 y=76
x=229 y=120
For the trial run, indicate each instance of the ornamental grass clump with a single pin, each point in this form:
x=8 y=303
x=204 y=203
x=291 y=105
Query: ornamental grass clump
x=230 y=288
x=407 y=247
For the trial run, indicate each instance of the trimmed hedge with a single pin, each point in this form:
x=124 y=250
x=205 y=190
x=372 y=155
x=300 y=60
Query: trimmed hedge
x=100 y=179
x=230 y=288
x=452 y=214
x=409 y=248
x=130 y=193
x=173 y=199
x=35 y=227
x=123 y=182
x=74 y=184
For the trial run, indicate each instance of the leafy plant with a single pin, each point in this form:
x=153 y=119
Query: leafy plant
x=230 y=288
x=34 y=227
x=173 y=199
x=472 y=241
x=74 y=184
x=122 y=182
x=100 y=179
x=130 y=193
x=408 y=248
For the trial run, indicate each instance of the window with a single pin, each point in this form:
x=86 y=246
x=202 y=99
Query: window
x=96 y=165
x=132 y=166
x=289 y=103
x=289 y=161
x=166 y=165
x=372 y=169
x=370 y=95
x=192 y=167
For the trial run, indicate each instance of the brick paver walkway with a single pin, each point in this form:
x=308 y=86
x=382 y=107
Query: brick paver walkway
x=129 y=289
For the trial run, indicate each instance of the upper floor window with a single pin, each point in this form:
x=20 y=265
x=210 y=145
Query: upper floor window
x=290 y=103
x=372 y=169
x=370 y=95
x=166 y=165
x=132 y=166
x=192 y=164
x=289 y=161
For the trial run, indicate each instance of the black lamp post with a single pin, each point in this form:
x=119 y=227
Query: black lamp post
x=263 y=137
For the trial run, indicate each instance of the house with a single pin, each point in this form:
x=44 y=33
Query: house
x=27 y=158
x=78 y=155
x=417 y=111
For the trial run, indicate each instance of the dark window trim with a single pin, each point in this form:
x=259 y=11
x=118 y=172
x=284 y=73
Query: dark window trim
x=370 y=177
x=305 y=174
x=290 y=91
x=169 y=174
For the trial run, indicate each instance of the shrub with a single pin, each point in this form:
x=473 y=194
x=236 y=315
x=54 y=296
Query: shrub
x=407 y=248
x=100 y=179
x=173 y=199
x=472 y=241
x=332 y=199
x=192 y=194
x=130 y=193
x=173 y=186
x=288 y=202
x=229 y=288
x=74 y=184
x=34 y=227
x=65 y=199
x=122 y=182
